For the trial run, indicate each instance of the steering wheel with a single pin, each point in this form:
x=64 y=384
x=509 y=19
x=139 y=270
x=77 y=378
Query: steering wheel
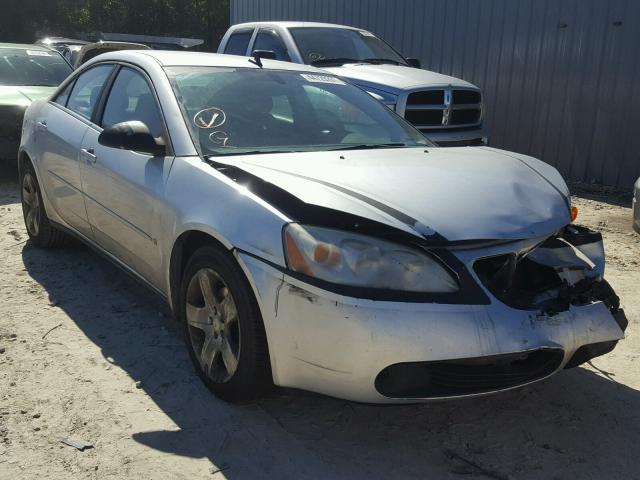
x=237 y=131
x=329 y=126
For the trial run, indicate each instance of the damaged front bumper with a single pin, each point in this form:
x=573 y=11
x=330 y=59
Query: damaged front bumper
x=393 y=352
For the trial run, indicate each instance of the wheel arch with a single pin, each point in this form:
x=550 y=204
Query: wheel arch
x=26 y=157
x=183 y=248
x=23 y=158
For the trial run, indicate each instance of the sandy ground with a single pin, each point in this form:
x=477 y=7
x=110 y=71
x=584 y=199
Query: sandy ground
x=76 y=335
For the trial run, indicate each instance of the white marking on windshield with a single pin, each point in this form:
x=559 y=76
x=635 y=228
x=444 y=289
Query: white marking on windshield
x=315 y=78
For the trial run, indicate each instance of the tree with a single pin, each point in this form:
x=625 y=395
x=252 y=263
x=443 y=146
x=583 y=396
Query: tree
x=206 y=19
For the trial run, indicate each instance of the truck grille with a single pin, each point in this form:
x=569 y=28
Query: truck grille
x=442 y=109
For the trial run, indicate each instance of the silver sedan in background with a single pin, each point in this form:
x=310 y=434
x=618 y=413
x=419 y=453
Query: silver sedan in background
x=307 y=236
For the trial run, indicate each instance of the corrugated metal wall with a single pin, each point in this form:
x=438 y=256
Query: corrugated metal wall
x=561 y=77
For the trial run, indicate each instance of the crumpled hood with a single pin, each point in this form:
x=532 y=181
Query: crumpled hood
x=23 y=95
x=458 y=193
x=395 y=77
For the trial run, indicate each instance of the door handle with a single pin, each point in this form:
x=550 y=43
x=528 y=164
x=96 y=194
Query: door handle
x=41 y=125
x=89 y=154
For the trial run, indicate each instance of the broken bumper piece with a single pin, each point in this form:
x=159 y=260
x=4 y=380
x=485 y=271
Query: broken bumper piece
x=541 y=318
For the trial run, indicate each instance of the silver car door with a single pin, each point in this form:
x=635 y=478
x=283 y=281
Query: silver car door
x=60 y=130
x=122 y=187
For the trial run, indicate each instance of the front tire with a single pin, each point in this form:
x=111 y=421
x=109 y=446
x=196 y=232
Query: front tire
x=223 y=327
x=38 y=226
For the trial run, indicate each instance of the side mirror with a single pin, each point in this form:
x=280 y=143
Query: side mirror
x=258 y=55
x=413 y=62
x=133 y=136
x=268 y=54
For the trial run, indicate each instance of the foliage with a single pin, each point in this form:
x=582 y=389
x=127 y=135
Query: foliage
x=206 y=19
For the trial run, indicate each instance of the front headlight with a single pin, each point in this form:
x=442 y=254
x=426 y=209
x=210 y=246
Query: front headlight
x=357 y=260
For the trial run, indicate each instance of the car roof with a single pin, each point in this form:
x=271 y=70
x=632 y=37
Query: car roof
x=168 y=58
x=296 y=25
x=25 y=46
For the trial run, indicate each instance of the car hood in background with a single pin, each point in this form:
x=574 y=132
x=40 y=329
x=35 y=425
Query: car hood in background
x=394 y=78
x=23 y=95
x=456 y=193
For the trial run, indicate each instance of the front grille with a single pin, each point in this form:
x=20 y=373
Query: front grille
x=443 y=108
x=424 y=117
x=464 y=117
x=517 y=282
x=451 y=378
x=465 y=97
x=427 y=97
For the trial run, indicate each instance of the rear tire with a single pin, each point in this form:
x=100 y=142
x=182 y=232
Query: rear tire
x=223 y=328
x=39 y=228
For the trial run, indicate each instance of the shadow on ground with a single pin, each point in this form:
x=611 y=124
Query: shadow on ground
x=576 y=425
x=9 y=191
x=598 y=193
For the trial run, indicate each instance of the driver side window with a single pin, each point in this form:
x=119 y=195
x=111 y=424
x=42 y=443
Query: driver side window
x=131 y=98
x=269 y=39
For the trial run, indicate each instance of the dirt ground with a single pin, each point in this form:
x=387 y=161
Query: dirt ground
x=88 y=353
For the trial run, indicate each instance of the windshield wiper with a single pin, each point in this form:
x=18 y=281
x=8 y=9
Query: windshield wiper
x=377 y=61
x=367 y=146
x=334 y=61
x=246 y=152
x=341 y=61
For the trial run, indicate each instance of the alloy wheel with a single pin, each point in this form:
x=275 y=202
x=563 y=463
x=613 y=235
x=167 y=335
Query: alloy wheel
x=31 y=204
x=213 y=325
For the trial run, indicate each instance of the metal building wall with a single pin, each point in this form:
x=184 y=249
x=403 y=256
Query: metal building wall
x=561 y=77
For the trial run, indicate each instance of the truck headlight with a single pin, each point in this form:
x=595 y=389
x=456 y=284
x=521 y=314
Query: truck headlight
x=352 y=259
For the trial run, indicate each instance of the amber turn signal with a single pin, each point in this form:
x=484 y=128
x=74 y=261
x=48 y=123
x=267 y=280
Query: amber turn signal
x=574 y=213
x=297 y=261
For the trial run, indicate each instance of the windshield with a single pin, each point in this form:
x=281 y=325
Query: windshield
x=246 y=110
x=32 y=67
x=326 y=46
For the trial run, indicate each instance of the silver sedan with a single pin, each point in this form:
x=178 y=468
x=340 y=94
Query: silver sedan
x=306 y=236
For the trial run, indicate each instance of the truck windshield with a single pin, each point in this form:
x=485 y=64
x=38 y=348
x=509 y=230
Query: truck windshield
x=32 y=67
x=330 y=46
x=247 y=110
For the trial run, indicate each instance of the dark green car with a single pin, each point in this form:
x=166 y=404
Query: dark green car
x=27 y=73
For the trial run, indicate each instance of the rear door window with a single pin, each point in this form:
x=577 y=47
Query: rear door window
x=238 y=42
x=86 y=91
x=63 y=96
